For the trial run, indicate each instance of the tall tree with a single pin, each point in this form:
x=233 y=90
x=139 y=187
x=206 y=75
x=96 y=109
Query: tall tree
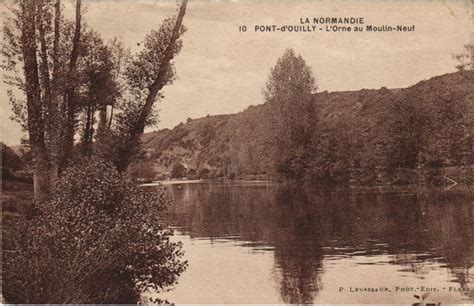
x=292 y=115
x=146 y=75
x=50 y=49
x=70 y=107
x=34 y=102
x=32 y=38
x=100 y=87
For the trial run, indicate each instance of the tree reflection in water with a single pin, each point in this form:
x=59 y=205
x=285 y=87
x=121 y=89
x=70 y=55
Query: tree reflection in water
x=304 y=227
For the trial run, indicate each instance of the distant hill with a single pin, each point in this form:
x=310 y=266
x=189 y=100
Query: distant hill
x=236 y=145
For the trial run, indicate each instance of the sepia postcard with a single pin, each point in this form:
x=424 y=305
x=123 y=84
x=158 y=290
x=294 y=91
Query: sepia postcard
x=237 y=152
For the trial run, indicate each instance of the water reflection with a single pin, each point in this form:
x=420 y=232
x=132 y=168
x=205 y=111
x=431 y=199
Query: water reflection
x=320 y=241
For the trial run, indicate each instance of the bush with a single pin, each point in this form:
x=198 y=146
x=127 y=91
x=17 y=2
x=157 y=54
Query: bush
x=204 y=173
x=10 y=161
x=178 y=171
x=142 y=171
x=99 y=240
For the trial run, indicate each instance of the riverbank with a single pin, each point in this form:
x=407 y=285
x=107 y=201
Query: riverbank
x=17 y=198
x=172 y=182
x=179 y=182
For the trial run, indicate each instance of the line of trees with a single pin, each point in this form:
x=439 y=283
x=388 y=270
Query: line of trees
x=62 y=74
x=91 y=236
x=397 y=136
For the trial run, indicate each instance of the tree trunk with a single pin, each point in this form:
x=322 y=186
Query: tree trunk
x=88 y=132
x=102 y=128
x=160 y=81
x=54 y=115
x=70 y=100
x=41 y=178
x=34 y=103
x=50 y=89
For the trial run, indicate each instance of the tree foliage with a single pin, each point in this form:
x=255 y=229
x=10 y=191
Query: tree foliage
x=98 y=240
x=178 y=171
x=419 y=134
x=292 y=114
x=36 y=58
x=68 y=74
x=465 y=59
x=100 y=86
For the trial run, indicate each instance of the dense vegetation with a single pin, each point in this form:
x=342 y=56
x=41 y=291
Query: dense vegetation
x=90 y=236
x=10 y=163
x=98 y=240
x=81 y=232
x=65 y=82
x=421 y=134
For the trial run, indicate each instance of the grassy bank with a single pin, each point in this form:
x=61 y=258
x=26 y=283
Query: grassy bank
x=17 y=198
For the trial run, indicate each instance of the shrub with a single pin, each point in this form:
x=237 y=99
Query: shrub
x=204 y=173
x=142 y=171
x=10 y=161
x=178 y=171
x=99 y=240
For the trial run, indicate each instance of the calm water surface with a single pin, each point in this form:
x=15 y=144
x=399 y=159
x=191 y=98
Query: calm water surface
x=258 y=243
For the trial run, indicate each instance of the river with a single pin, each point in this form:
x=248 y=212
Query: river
x=258 y=243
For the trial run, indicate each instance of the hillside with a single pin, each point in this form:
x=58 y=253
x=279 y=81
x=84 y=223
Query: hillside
x=236 y=145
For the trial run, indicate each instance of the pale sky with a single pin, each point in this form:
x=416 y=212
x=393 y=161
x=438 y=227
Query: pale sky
x=221 y=70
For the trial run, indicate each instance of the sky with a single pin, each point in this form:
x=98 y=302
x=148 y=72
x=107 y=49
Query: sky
x=221 y=70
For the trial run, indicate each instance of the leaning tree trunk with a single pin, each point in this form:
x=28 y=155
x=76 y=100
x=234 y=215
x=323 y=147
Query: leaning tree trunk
x=136 y=131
